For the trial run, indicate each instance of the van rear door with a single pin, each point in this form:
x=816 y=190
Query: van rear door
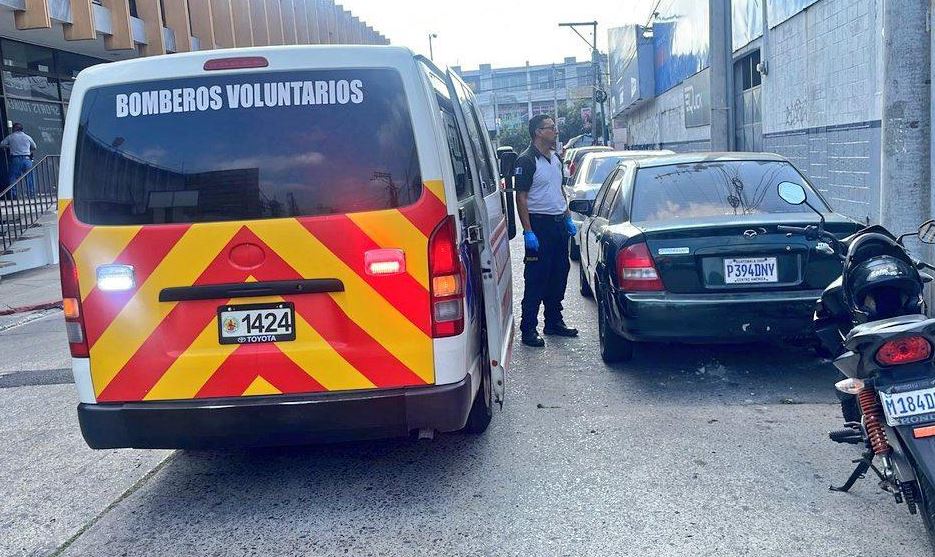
x=275 y=227
x=495 y=248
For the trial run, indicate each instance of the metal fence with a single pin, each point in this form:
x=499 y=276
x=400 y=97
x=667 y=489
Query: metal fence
x=30 y=196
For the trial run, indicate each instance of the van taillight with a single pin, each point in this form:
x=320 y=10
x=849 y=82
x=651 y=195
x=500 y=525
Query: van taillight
x=71 y=303
x=446 y=278
x=636 y=271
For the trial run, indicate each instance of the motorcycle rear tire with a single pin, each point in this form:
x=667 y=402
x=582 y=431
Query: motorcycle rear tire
x=927 y=507
x=850 y=410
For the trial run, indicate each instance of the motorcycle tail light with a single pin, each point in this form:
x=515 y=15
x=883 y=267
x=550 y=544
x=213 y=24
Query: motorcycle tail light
x=849 y=386
x=904 y=350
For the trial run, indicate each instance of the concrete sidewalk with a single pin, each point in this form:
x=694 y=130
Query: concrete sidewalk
x=30 y=290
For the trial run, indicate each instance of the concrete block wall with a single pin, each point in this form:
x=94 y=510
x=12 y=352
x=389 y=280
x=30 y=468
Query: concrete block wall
x=822 y=100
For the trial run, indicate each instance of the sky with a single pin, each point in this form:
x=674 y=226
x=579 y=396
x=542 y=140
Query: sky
x=497 y=32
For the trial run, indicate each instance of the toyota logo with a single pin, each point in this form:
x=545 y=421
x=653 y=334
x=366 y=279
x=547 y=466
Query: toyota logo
x=750 y=234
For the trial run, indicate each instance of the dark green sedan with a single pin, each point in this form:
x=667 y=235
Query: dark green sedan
x=684 y=248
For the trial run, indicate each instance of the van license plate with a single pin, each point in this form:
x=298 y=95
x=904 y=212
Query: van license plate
x=751 y=270
x=256 y=323
x=903 y=408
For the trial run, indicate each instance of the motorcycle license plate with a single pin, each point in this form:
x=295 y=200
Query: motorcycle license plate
x=750 y=270
x=256 y=323
x=908 y=408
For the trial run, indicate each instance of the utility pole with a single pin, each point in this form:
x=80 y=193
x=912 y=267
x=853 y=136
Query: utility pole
x=558 y=141
x=905 y=191
x=431 y=53
x=722 y=69
x=595 y=66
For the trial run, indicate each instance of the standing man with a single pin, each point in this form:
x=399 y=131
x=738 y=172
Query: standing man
x=21 y=148
x=547 y=225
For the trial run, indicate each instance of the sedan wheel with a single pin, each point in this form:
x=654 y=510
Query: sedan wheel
x=583 y=286
x=574 y=252
x=614 y=348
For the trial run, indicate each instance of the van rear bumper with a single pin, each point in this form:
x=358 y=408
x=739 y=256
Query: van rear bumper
x=276 y=420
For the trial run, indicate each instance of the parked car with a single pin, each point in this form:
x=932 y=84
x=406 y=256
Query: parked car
x=595 y=167
x=686 y=248
x=574 y=160
x=583 y=140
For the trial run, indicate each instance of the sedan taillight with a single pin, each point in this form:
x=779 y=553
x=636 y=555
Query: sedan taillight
x=636 y=270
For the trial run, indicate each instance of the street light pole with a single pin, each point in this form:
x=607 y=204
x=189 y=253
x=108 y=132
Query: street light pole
x=595 y=66
x=431 y=53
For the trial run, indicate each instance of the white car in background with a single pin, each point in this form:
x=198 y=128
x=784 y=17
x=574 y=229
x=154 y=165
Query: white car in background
x=591 y=173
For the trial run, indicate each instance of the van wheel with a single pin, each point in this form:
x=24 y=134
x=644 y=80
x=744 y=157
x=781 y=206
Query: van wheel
x=482 y=409
x=574 y=252
x=614 y=348
x=583 y=286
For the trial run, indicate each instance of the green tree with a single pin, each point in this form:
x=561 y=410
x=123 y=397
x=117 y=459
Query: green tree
x=572 y=124
x=515 y=135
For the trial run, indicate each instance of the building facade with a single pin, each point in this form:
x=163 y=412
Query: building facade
x=45 y=43
x=807 y=83
x=511 y=96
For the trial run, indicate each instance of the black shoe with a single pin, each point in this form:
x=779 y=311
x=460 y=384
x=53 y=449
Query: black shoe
x=533 y=339
x=560 y=330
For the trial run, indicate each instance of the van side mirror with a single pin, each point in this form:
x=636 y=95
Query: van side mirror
x=507 y=158
x=582 y=206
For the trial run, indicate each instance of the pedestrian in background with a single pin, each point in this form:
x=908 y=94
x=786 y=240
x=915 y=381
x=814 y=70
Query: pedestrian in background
x=547 y=225
x=21 y=147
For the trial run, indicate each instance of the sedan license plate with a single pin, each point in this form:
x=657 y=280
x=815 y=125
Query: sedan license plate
x=903 y=408
x=256 y=323
x=750 y=270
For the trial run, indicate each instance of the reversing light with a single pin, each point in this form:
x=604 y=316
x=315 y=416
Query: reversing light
x=115 y=278
x=904 y=350
x=236 y=63
x=385 y=262
x=850 y=386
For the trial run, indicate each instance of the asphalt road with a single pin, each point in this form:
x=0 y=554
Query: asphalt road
x=684 y=451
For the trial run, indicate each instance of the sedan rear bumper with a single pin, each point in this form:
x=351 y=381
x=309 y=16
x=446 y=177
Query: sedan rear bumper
x=648 y=316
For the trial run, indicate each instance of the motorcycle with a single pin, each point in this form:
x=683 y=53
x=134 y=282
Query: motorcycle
x=872 y=321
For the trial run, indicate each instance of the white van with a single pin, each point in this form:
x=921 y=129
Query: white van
x=281 y=245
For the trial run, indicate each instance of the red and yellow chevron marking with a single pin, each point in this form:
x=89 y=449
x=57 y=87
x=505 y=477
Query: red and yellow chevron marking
x=375 y=334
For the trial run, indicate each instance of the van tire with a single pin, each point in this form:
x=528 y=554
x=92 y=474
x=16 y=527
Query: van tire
x=583 y=286
x=614 y=348
x=482 y=409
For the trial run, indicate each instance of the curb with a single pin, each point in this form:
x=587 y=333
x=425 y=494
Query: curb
x=35 y=307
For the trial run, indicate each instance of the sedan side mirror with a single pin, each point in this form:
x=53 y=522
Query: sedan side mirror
x=582 y=206
x=927 y=232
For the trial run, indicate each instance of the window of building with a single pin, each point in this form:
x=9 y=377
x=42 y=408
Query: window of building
x=747 y=72
x=510 y=82
x=543 y=107
x=473 y=82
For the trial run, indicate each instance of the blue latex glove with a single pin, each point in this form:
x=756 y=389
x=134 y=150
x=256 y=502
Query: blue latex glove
x=532 y=243
x=570 y=226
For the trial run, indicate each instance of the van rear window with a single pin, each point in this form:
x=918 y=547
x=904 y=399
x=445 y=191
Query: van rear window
x=245 y=146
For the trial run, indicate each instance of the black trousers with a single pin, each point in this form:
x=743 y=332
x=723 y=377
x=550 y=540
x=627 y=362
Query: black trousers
x=546 y=272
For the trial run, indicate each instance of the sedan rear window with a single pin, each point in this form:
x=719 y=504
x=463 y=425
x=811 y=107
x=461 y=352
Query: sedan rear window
x=600 y=169
x=245 y=146
x=716 y=188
